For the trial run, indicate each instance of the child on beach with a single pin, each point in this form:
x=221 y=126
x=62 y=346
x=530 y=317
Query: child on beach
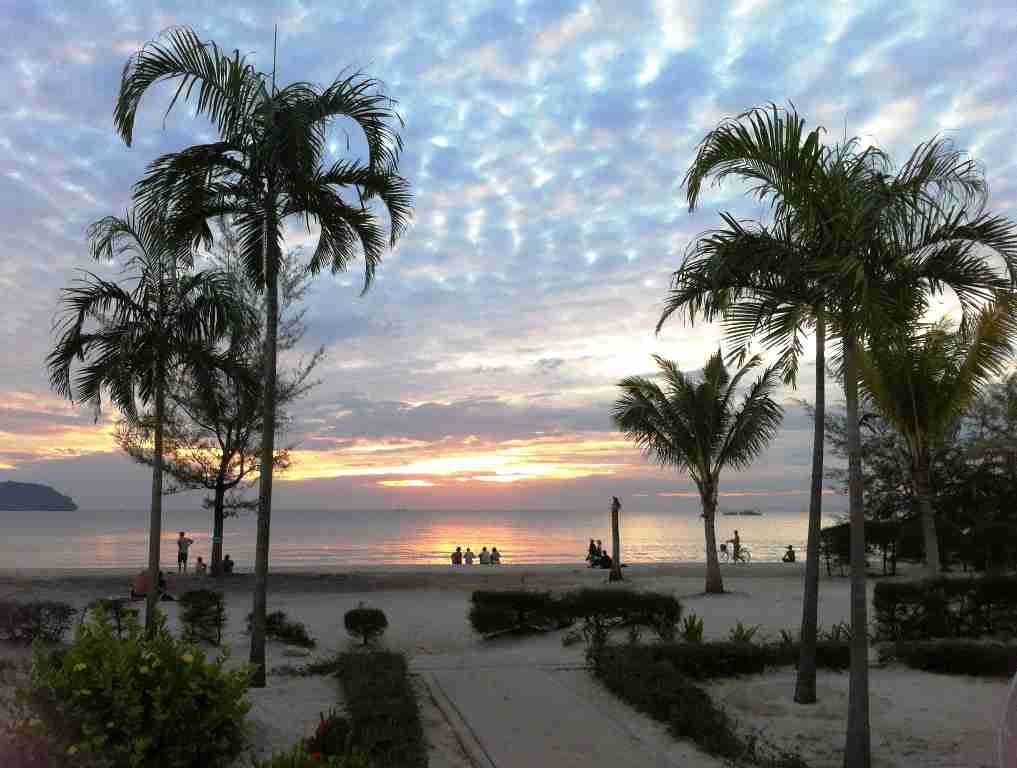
x=183 y=544
x=200 y=567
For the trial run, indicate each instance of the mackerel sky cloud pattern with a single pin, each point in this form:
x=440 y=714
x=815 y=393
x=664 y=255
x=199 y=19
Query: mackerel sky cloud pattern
x=546 y=142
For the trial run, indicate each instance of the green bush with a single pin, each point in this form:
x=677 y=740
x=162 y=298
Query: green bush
x=151 y=701
x=946 y=608
x=742 y=634
x=203 y=615
x=602 y=610
x=366 y=624
x=512 y=611
x=280 y=627
x=691 y=629
x=298 y=757
x=44 y=620
x=656 y=687
x=955 y=657
x=382 y=709
x=331 y=737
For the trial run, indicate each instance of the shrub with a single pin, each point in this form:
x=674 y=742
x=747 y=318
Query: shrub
x=955 y=657
x=691 y=629
x=382 y=708
x=203 y=614
x=299 y=757
x=44 y=620
x=742 y=634
x=367 y=624
x=280 y=627
x=330 y=737
x=946 y=608
x=602 y=610
x=512 y=611
x=146 y=700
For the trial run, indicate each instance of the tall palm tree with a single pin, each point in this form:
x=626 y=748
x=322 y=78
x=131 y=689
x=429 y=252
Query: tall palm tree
x=268 y=165
x=694 y=425
x=922 y=383
x=129 y=341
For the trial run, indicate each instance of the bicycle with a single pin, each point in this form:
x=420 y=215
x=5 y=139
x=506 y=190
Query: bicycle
x=726 y=555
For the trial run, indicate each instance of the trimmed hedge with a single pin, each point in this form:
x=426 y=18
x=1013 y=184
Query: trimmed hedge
x=512 y=611
x=946 y=608
x=382 y=709
x=955 y=657
x=280 y=627
x=45 y=620
x=367 y=624
x=203 y=615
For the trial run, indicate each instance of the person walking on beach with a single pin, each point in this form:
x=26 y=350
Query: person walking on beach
x=468 y=557
x=485 y=556
x=183 y=544
x=736 y=541
x=616 y=574
x=495 y=556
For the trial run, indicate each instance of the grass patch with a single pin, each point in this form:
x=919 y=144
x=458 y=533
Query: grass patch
x=382 y=709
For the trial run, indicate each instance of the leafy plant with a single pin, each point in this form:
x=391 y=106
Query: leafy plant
x=787 y=638
x=279 y=626
x=331 y=737
x=742 y=634
x=203 y=615
x=838 y=633
x=147 y=699
x=691 y=629
x=366 y=624
x=45 y=620
x=298 y=757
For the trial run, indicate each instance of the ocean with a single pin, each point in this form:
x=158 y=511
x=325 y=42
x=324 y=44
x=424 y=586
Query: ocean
x=400 y=537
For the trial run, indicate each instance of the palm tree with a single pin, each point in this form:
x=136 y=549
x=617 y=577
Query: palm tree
x=694 y=425
x=130 y=341
x=765 y=281
x=922 y=383
x=267 y=166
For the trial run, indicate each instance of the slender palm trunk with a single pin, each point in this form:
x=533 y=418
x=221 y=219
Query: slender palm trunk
x=714 y=582
x=155 y=522
x=805 y=687
x=857 y=751
x=270 y=263
x=217 y=524
x=616 y=573
x=923 y=492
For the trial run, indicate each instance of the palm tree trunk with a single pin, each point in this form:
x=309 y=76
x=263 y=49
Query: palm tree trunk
x=920 y=480
x=616 y=574
x=857 y=751
x=217 y=525
x=270 y=264
x=714 y=582
x=155 y=521
x=805 y=687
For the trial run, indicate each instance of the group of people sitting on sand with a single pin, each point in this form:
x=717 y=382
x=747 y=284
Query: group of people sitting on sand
x=486 y=558
x=597 y=556
x=139 y=584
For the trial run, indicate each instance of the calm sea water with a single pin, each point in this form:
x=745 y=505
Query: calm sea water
x=321 y=538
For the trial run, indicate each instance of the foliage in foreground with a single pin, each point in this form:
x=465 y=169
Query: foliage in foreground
x=299 y=757
x=946 y=608
x=280 y=627
x=955 y=657
x=139 y=701
x=203 y=615
x=658 y=688
x=44 y=620
x=365 y=624
x=382 y=708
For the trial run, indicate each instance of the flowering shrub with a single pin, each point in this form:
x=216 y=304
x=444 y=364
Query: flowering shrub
x=150 y=701
x=330 y=737
x=298 y=757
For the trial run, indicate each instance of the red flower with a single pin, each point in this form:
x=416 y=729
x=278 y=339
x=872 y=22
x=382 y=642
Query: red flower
x=316 y=756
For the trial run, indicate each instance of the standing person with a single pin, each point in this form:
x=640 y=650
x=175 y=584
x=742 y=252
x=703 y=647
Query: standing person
x=485 y=556
x=592 y=555
x=616 y=574
x=737 y=542
x=183 y=544
x=495 y=556
x=468 y=557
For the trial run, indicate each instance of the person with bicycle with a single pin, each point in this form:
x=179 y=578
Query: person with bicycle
x=736 y=555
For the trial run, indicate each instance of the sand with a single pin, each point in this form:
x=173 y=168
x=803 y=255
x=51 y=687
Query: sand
x=918 y=718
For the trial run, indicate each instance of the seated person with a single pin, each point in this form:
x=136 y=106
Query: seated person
x=227 y=565
x=457 y=556
x=201 y=567
x=605 y=560
x=139 y=586
x=495 y=556
x=789 y=556
x=485 y=556
x=468 y=557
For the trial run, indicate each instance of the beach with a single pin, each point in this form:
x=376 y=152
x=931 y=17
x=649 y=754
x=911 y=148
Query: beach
x=917 y=718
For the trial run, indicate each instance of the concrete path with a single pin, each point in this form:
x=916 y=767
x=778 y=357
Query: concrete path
x=526 y=716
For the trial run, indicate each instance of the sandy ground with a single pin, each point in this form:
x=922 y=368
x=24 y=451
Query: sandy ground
x=918 y=718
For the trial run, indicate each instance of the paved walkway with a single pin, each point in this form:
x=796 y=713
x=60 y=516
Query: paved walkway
x=536 y=715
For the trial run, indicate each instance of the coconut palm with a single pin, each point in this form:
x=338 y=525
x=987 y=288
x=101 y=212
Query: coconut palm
x=694 y=425
x=129 y=341
x=922 y=383
x=269 y=165
x=767 y=282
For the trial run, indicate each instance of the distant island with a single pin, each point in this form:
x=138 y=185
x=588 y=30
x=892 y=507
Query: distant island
x=33 y=497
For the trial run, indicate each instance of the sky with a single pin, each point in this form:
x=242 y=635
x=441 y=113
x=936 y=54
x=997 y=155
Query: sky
x=545 y=143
